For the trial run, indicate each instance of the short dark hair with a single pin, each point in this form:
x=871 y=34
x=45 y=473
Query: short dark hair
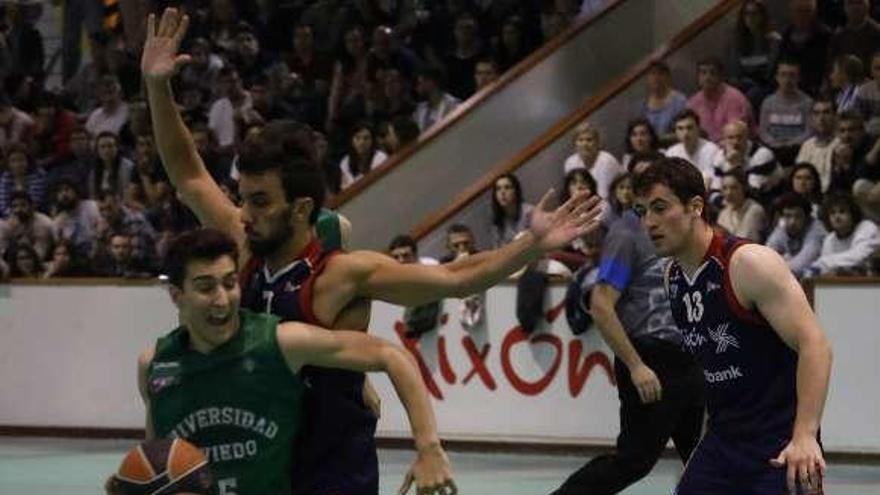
x=403 y=240
x=406 y=129
x=685 y=114
x=793 y=200
x=659 y=66
x=643 y=156
x=286 y=148
x=459 y=228
x=678 y=174
x=851 y=116
x=839 y=199
x=788 y=60
x=711 y=61
x=21 y=195
x=564 y=195
x=200 y=244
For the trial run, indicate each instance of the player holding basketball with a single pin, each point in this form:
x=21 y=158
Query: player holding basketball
x=229 y=381
x=288 y=273
x=765 y=360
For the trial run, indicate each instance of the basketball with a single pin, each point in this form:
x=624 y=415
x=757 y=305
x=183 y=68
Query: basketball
x=161 y=467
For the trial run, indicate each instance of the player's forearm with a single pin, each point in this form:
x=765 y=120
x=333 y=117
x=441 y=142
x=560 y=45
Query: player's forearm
x=813 y=372
x=173 y=140
x=614 y=334
x=494 y=266
x=407 y=381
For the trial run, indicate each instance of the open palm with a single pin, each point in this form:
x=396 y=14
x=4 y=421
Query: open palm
x=555 y=229
x=160 y=59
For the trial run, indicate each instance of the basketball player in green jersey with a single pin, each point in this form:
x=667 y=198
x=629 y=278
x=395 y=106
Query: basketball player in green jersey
x=228 y=381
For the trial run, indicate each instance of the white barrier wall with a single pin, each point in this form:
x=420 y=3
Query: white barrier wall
x=67 y=358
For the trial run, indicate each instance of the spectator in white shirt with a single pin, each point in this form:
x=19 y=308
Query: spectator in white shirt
x=819 y=149
x=363 y=155
x=112 y=115
x=851 y=240
x=691 y=147
x=232 y=106
x=589 y=155
x=437 y=103
x=740 y=153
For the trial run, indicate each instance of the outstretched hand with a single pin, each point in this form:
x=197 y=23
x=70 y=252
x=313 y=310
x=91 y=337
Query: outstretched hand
x=160 y=59
x=431 y=473
x=577 y=217
x=804 y=464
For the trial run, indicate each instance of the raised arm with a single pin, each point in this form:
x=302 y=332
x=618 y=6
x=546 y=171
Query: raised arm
x=379 y=277
x=308 y=345
x=180 y=158
x=762 y=281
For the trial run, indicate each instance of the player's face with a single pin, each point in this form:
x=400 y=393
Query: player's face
x=668 y=221
x=265 y=212
x=209 y=300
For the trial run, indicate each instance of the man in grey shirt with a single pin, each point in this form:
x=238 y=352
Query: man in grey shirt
x=659 y=385
x=798 y=236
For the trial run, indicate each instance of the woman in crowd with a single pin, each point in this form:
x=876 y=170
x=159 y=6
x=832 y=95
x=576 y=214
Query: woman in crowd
x=363 y=155
x=510 y=214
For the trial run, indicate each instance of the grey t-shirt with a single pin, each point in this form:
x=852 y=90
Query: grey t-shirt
x=630 y=265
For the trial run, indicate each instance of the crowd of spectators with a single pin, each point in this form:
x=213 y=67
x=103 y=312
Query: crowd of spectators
x=82 y=191
x=785 y=130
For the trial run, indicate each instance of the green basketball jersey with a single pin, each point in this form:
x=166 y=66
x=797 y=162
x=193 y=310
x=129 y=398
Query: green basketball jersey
x=329 y=230
x=241 y=404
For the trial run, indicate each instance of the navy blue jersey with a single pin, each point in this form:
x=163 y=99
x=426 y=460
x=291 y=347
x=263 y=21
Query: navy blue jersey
x=337 y=420
x=750 y=372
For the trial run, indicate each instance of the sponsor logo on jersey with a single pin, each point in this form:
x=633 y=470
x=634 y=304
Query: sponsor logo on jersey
x=288 y=287
x=710 y=286
x=693 y=340
x=731 y=373
x=723 y=340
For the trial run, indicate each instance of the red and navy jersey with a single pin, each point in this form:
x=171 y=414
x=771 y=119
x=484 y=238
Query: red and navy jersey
x=337 y=420
x=750 y=373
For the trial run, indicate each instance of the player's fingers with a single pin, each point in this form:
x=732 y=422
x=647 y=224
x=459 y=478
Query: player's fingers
x=659 y=391
x=790 y=477
x=821 y=466
x=407 y=482
x=545 y=199
x=182 y=60
x=589 y=206
x=165 y=22
x=805 y=476
x=181 y=31
x=151 y=26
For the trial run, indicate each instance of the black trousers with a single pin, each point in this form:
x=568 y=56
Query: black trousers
x=646 y=428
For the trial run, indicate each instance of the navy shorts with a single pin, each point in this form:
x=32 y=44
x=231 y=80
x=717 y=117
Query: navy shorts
x=724 y=467
x=336 y=453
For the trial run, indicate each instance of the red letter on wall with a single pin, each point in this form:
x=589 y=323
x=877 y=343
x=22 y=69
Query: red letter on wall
x=516 y=336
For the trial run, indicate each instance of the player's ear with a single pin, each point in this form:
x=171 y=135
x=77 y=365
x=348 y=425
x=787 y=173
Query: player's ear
x=302 y=208
x=697 y=205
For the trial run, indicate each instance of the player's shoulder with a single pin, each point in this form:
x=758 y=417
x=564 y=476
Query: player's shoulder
x=356 y=263
x=146 y=356
x=752 y=264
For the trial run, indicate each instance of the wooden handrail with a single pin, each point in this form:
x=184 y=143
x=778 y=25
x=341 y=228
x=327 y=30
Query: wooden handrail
x=470 y=104
x=594 y=102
